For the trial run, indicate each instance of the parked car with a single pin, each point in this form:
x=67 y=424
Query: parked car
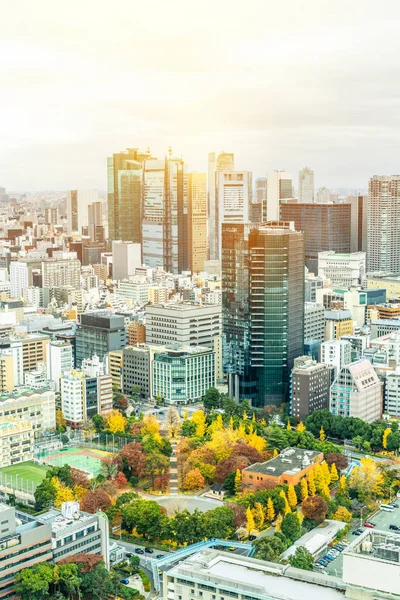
x=394 y=504
x=125 y=581
x=160 y=556
x=139 y=551
x=393 y=527
x=323 y=562
x=149 y=550
x=368 y=524
x=252 y=538
x=372 y=523
x=357 y=532
x=328 y=558
x=128 y=554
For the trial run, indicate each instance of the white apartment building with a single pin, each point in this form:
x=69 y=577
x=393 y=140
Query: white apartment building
x=383 y=230
x=38 y=378
x=392 y=393
x=158 y=294
x=306 y=185
x=35 y=296
x=78 y=208
x=72 y=388
x=135 y=289
x=36 y=406
x=126 y=257
x=16 y=441
x=233 y=197
x=314 y=322
x=336 y=353
x=61 y=360
x=61 y=272
x=93 y=367
x=357 y=392
x=19 y=278
x=342 y=270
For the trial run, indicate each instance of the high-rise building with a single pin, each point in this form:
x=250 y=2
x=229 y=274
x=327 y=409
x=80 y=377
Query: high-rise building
x=61 y=272
x=262 y=309
x=323 y=195
x=233 y=190
x=124 y=194
x=336 y=353
x=325 y=226
x=99 y=332
x=261 y=190
x=310 y=385
x=225 y=161
x=51 y=216
x=19 y=278
x=95 y=220
x=314 y=322
x=359 y=222
x=126 y=257
x=279 y=187
x=357 y=392
x=197 y=221
x=384 y=224
x=306 y=185
x=164 y=226
x=136 y=333
x=77 y=208
x=61 y=360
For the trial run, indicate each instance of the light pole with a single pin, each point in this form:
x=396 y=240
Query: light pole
x=16 y=481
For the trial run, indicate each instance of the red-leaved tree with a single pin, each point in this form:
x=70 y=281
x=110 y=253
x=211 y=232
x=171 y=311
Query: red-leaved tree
x=95 y=500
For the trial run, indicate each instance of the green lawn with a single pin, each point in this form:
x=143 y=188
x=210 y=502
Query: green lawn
x=26 y=471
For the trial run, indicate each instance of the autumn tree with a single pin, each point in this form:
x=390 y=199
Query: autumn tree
x=287 y=505
x=63 y=493
x=291 y=496
x=258 y=514
x=241 y=448
x=110 y=465
x=326 y=473
x=156 y=464
x=239 y=514
x=199 y=419
x=120 y=480
x=96 y=500
x=238 y=481
x=86 y=562
x=342 y=514
x=116 y=422
x=173 y=421
x=314 y=508
x=334 y=473
x=340 y=460
x=322 y=434
x=385 y=436
x=311 y=483
x=270 y=510
x=122 y=404
x=61 y=421
x=230 y=465
x=193 y=480
x=367 y=479
x=278 y=523
x=79 y=478
x=301 y=427
x=134 y=459
x=303 y=489
x=249 y=520
x=342 y=487
x=161 y=483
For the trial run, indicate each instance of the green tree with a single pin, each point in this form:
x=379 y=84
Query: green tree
x=188 y=527
x=212 y=399
x=45 y=494
x=97 y=583
x=69 y=579
x=98 y=422
x=291 y=527
x=302 y=559
x=146 y=516
x=229 y=405
x=34 y=583
x=269 y=548
x=219 y=522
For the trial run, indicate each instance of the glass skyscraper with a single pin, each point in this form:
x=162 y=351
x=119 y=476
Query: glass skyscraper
x=262 y=309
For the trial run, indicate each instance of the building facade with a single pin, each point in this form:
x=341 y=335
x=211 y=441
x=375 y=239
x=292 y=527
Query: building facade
x=126 y=257
x=197 y=221
x=78 y=202
x=224 y=161
x=306 y=185
x=310 y=387
x=279 y=187
x=342 y=270
x=384 y=224
x=357 y=392
x=98 y=333
x=289 y=467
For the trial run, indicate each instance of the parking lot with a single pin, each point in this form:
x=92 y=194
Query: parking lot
x=382 y=520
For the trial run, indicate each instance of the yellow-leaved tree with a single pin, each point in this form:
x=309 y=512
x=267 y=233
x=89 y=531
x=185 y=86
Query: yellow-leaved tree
x=199 y=419
x=270 y=510
x=64 y=493
x=326 y=473
x=217 y=424
x=334 y=472
x=301 y=427
x=287 y=505
x=385 y=436
x=291 y=496
x=276 y=453
x=367 y=479
x=278 y=523
x=116 y=422
x=311 y=483
x=288 y=426
x=303 y=489
x=342 y=487
x=342 y=514
x=322 y=435
x=258 y=514
x=238 y=481
x=249 y=520
x=319 y=478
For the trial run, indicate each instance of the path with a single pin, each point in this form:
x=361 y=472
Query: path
x=173 y=472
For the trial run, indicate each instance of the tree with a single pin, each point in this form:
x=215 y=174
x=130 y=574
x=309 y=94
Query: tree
x=63 y=493
x=322 y=434
x=61 y=421
x=334 y=473
x=385 y=436
x=69 y=579
x=326 y=473
x=340 y=460
x=287 y=505
x=156 y=464
x=291 y=527
x=134 y=459
x=258 y=514
x=116 y=422
x=110 y=465
x=146 y=516
x=301 y=427
x=173 y=421
x=270 y=510
x=45 y=494
x=314 y=508
x=367 y=479
x=303 y=489
x=342 y=488
x=319 y=477
x=249 y=520
x=86 y=562
x=311 y=483
x=218 y=522
x=33 y=583
x=194 y=480
x=342 y=514
x=79 y=478
x=151 y=426
x=199 y=418
x=122 y=404
x=120 y=480
x=96 y=500
x=278 y=523
x=211 y=399
x=98 y=583
x=241 y=448
x=238 y=481
x=161 y=482
x=291 y=496
x=98 y=422
x=302 y=559
x=239 y=514
x=269 y=548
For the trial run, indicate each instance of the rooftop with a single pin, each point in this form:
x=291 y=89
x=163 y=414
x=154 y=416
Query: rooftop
x=316 y=539
x=290 y=460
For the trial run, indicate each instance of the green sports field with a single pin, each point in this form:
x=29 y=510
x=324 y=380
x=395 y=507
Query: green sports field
x=27 y=471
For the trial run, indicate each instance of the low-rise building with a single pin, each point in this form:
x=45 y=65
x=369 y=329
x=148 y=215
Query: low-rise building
x=289 y=467
x=336 y=353
x=317 y=540
x=357 y=392
x=338 y=323
x=343 y=270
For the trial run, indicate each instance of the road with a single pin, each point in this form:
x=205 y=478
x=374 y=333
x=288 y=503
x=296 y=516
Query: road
x=145 y=559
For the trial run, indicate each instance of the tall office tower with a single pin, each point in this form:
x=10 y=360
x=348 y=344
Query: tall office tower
x=384 y=224
x=233 y=191
x=98 y=333
x=51 y=216
x=19 y=278
x=124 y=194
x=262 y=309
x=310 y=386
x=95 y=219
x=306 y=185
x=126 y=257
x=323 y=195
x=61 y=360
x=326 y=227
x=225 y=161
x=197 y=221
x=261 y=190
x=359 y=222
x=164 y=225
x=279 y=187
x=77 y=208
x=62 y=272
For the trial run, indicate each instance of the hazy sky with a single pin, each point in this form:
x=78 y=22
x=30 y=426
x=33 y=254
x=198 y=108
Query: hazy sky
x=282 y=84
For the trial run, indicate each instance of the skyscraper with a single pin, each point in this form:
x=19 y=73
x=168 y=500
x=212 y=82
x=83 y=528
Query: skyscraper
x=306 y=185
x=19 y=278
x=359 y=222
x=261 y=190
x=233 y=191
x=164 y=226
x=197 y=221
x=124 y=194
x=223 y=162
x=126 y=257
x=384 y=224
x=279 y=187
x=77 y=208
x=95 y=219
x=262 y=309
x=326 y=227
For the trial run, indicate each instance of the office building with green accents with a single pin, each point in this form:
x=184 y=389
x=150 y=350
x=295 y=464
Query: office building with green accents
x=262 y=309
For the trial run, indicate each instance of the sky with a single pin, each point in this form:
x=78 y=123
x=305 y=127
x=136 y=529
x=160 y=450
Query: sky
x=282 y=84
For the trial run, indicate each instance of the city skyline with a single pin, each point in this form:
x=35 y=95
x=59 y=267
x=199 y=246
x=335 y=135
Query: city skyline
x=281 y=86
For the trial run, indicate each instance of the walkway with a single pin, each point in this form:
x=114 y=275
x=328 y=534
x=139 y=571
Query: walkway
x=173 y=472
